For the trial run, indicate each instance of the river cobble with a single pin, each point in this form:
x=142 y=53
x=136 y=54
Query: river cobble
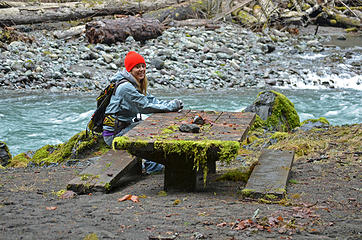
x=186 y=58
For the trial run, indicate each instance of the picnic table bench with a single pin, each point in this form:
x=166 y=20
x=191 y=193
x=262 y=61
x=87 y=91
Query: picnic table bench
x=159 y=139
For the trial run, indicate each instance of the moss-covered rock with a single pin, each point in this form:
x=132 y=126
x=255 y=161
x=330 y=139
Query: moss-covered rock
x=78 y=146
x=5 y=155
x=308 y=124
x=276 y=112
x=20 y=160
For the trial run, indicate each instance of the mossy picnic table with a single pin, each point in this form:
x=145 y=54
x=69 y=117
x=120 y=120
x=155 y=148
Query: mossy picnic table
x=188 y=156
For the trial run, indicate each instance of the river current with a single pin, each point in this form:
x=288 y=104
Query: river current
x=32 y=120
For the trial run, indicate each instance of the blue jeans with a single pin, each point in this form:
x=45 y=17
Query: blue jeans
x=149 y=166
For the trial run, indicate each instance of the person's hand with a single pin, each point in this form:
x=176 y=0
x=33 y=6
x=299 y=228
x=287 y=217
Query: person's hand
x=179 y=104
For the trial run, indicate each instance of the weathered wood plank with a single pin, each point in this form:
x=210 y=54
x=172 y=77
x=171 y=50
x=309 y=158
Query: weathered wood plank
x=270 y=176
x=105 y=173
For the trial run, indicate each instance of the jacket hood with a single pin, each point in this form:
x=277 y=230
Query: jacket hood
x=124 y=74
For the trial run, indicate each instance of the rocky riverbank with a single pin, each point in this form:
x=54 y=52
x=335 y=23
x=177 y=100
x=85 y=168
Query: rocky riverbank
x=186 y=57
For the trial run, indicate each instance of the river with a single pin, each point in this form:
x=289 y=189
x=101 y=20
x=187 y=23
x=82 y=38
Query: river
x=32 y=120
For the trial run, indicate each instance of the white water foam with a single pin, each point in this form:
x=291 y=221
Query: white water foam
x=314 y=81
x=72 y=119
x=313 y=56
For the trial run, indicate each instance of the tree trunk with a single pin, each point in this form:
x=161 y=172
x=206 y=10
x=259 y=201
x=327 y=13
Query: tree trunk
x=110 y=31
x=53 y=12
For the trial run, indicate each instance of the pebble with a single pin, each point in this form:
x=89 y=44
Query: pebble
x=189 y=58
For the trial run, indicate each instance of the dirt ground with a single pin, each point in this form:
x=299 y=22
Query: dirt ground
x=323 y=202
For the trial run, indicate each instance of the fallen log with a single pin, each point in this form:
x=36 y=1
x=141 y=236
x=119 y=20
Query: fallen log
x=339 y=19
x=110 y=31
x=70 y=33
x=52 y=12
x=208 y=24
x=179 y=12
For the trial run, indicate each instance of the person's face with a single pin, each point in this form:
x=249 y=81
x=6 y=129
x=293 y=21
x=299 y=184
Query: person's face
x=139 y=71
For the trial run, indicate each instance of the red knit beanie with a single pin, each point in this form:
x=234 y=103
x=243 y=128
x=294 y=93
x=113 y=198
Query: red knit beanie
x=132 y=59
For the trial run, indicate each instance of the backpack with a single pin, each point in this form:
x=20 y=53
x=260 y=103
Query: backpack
x=95 y=125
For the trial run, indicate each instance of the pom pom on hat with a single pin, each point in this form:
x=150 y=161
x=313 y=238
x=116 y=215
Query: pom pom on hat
x=132 y=59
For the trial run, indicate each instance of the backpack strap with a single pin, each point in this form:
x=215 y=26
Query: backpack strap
x=123 y=80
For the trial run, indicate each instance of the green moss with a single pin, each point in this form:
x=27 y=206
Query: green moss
x=235 y=175
x=196 y=150
x=90 y=177
x=42 y=153
x=279 y=135
x=162 y=194
x=258 y=123
x=270 y=196
x=293 y=181
x=92 y=236
x=305 y=7
x=220 y=74
x=321 y=119
x=244 y=17
x=352 y=8
x=333 y=21
x=246 y=192
x=353 y=29
x=170 y=129
x=79 y=145
x=60 y=192
x=346 y=20
x=284 y=117
x=301 y=145
x=20 y=160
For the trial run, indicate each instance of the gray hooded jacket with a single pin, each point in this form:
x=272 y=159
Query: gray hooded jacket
x=127 y=102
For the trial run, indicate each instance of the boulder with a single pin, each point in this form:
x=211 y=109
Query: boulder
x=275 y=110
x=5 y=155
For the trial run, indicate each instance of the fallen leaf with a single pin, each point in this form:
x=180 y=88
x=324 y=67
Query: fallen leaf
x=51 y=208
x=133 y=198
x=124 y=198
x=223 y=224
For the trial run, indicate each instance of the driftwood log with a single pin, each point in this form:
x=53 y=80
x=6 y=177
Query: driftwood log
x=117 y=30
x=28 y=13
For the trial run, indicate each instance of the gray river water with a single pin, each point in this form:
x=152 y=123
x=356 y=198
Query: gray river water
x=30 y=121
